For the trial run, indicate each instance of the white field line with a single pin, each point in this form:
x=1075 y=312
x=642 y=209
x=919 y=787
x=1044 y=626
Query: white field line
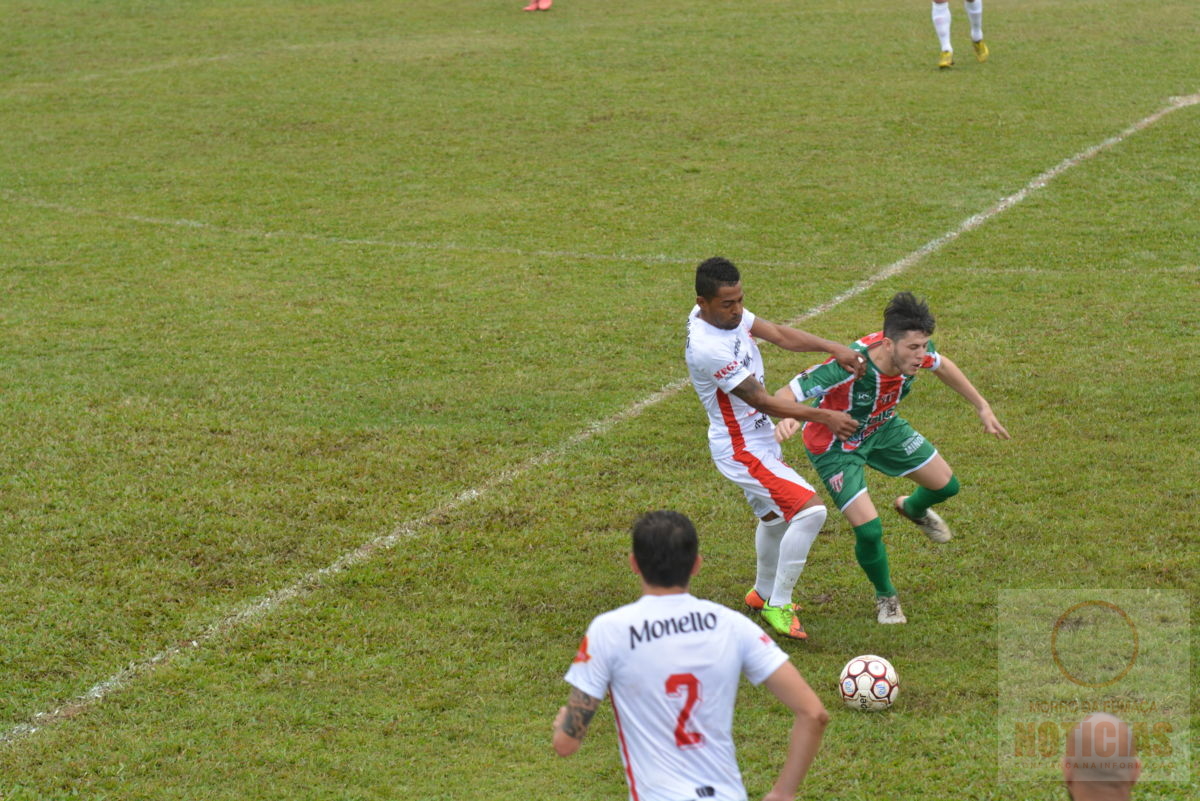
x=19 y=87
x=969 y=224
x=75 y=211
x=267 y=604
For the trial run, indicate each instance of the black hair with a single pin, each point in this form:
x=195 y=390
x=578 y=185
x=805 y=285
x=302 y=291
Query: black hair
x=714 y=273
x=906 y=312
x=665 y=547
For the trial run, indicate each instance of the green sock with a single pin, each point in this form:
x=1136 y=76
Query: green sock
x=872 y=556
x=919 y=502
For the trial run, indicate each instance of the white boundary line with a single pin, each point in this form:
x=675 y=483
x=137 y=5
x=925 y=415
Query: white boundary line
x=267 y=604
x=21 y=85
x=75 y=211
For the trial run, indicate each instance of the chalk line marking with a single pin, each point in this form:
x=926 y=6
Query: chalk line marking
x=408 y=45
x=76 y=211
x=267 y=604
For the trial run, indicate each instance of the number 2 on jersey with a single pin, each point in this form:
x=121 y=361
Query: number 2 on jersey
x=677 y=683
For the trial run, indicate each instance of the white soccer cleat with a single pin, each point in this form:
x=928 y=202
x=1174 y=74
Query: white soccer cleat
x=888 y=611
x=931 y=525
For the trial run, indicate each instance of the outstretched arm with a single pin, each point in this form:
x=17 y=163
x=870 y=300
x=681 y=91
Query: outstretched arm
x=786 y=428
x=790 y=338
x=571 y=722
x=953 y=377
x=808 y=725
x=755 y=394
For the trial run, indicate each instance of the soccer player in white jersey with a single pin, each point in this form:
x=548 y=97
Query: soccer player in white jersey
x=726 y=369
x=671 y=664
x=941 y=26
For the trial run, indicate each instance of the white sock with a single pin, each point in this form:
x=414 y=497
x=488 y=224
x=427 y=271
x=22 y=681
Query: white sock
x=941 y=24
x=975 y=15
x=793 y=552
x=766 y=545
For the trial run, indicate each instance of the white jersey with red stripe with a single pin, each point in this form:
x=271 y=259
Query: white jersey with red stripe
x=719 y=360
x=672 y=664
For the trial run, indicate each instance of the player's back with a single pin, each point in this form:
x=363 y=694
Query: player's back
x=672 y=664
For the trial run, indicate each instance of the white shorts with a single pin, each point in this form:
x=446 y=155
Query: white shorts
x=771 y=486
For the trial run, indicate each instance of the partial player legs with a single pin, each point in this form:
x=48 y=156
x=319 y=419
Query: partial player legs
x=922 y=498
x=791 y=552
x=975 y=17
x=802 y=531
x=941 y=26
x=869 y=549
x=872 y=557
x=767 y=537
x=940 y=12
x=936 y=483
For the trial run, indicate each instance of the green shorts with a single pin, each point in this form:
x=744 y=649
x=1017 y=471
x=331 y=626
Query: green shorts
x=894 y=450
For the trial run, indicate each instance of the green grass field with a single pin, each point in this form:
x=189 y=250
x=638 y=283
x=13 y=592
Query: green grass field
x=400 y=288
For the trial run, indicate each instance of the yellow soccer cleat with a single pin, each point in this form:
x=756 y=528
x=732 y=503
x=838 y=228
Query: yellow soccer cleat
x=981 y=51
x=946 y=60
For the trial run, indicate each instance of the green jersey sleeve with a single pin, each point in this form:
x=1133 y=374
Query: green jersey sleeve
x=816 y=381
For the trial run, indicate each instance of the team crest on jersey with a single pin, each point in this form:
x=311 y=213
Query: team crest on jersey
x=835 y=483
x=582 y=654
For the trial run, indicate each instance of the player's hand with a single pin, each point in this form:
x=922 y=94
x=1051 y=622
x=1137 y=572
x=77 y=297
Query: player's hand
x=786 y=428
x=559 y=719
x=851 y=361
x=775 y=796
x=991 y=425
x=841 y=424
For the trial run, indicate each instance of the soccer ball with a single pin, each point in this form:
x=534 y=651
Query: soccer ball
x=869 y=683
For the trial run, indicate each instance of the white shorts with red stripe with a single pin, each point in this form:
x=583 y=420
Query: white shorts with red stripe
x=770 y=485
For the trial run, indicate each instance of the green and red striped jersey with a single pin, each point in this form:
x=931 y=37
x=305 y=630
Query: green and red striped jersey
x=871 y=400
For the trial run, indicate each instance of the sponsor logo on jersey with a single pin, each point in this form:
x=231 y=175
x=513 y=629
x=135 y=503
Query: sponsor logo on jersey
x=728 y=369
x=652 y=630
x=582 y=654
x=912 y=443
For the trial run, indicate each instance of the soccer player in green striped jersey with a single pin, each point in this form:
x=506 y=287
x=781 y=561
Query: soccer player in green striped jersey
x=883 y=440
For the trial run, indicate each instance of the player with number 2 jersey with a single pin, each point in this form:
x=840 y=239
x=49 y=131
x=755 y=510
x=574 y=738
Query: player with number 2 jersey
x=671 y=664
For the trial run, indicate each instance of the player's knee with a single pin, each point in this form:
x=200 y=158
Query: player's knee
x=869 y=533
x=814 y=511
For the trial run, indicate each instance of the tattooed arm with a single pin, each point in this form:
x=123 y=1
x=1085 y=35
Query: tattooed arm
x=571 y=723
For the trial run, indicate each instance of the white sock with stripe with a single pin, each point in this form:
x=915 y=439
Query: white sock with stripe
x=941 y=24
x=793 y=552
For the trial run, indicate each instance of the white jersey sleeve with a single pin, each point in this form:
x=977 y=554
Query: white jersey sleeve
x=718 y=361
x=722 y=359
